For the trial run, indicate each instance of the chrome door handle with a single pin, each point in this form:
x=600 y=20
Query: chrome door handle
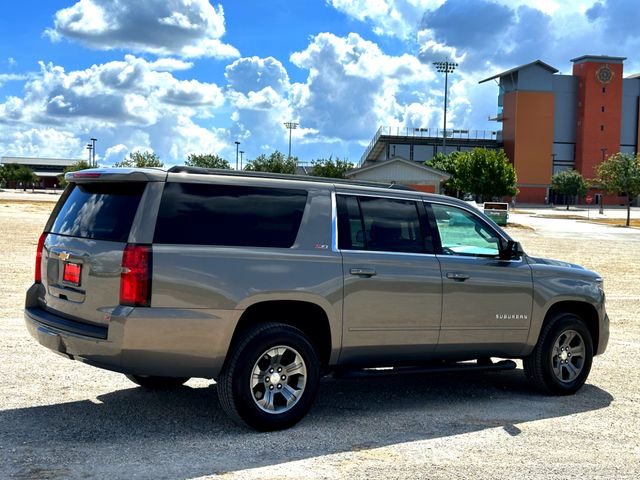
x=363 y=272
x=460 y=277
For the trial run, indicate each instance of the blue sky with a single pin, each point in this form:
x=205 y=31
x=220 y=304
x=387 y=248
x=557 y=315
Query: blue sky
x=192 y=76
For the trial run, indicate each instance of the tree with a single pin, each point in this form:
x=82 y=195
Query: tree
x=9 y=173
x=620 y=174
x=486 y=173
x=25 y=175
x=448 y=163
x=274 y=163
x=327 y=167
x=140 y=159
x=79 y=165
x=569 y=183
x=207 y=160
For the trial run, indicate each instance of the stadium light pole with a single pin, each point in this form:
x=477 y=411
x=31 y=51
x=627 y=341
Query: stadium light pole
x=241 y=155
x=445 y=67
x=290 y=126
x=237 y=146
x=93 y=151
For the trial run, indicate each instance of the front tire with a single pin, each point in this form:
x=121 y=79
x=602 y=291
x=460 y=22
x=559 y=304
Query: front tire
x=561 y=361
x=270 y=378
x=157 y=383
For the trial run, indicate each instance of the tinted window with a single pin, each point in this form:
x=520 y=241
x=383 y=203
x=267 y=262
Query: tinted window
x=462 y=233
x=204 y=214
x=103 y=211
x=379 y=224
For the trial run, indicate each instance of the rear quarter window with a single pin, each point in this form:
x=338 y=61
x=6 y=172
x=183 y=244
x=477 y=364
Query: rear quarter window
x=229 y=215
x=101 y=211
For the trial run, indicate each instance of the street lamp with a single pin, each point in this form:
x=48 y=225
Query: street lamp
x=290 y=126
x=93 y=150
x=237 y=146
x=445 y=67
x=241 y=154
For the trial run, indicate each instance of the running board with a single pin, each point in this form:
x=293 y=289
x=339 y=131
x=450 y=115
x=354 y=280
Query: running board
x=451 y=367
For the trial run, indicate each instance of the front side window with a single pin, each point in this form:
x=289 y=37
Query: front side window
x=379 y=224
x=462 y=233
x=229 y=215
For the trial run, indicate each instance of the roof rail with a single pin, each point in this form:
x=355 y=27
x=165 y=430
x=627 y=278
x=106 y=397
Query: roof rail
x=283 y=176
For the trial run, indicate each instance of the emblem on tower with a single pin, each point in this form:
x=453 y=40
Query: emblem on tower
x=604 y=74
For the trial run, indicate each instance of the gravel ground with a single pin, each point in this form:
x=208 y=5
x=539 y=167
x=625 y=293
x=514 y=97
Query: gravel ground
x=63 y=419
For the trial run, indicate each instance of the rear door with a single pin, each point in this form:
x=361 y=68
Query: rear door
x=392 y=281
x=82 y=253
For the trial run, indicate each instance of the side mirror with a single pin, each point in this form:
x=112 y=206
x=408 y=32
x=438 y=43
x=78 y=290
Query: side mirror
x=510 y=250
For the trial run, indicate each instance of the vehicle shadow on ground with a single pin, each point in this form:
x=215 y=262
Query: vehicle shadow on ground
x=184 y=433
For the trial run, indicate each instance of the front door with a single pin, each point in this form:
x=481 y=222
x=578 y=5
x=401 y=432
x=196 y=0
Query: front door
x=487 y=302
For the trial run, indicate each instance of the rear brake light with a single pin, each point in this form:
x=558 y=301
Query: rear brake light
x=38 y=272
x=135 y=279
x=86 y=174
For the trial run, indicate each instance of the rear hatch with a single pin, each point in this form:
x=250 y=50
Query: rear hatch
x=85 y=239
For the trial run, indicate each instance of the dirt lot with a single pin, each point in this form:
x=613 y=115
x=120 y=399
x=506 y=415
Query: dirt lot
x=62 y=419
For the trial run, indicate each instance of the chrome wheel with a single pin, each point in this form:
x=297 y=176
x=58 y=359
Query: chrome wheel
x=568 y=356
x=278 y=379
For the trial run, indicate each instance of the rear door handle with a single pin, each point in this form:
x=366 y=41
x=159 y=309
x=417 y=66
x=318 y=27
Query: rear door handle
x=363 y=272
x=460 y=277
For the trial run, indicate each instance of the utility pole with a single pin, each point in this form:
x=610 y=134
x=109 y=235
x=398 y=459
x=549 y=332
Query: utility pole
x=290 y=126
x=445 y=67
x=237 y=146
x=241 y=154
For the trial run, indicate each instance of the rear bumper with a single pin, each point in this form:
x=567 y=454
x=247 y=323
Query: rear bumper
x=141 y=341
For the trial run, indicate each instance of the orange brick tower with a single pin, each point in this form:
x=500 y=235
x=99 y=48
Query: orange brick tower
x=598 y=113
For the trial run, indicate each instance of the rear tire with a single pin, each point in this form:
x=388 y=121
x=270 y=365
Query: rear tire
x=270 y=378
x=561 y=361
x=157 y=383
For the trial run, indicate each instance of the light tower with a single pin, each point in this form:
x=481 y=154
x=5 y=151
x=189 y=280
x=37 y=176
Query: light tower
x=290 y=126
x=445 y=67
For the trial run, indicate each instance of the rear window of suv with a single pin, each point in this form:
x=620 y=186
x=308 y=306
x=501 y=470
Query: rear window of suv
x=229 y=215
x=101 y=211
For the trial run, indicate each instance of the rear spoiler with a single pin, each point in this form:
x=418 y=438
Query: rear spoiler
x=117 y=175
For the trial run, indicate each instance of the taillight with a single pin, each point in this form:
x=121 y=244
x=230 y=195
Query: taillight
x=135 y=279
x=38 y=271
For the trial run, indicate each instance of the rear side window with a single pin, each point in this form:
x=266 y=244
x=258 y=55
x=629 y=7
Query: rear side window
x=205 y=214
x=380 y=224
x=101 y=211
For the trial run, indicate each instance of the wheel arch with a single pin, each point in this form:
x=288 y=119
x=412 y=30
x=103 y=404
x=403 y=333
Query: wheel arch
x=584 y=310
x=306 y=316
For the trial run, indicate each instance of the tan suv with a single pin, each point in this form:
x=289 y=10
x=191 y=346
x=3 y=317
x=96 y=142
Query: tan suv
x=265 y=282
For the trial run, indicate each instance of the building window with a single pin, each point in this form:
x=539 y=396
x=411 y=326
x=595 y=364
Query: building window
x=602 y=128
x=602 y=108
x=604 y=89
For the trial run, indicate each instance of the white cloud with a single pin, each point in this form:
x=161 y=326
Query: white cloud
x=352 y=80
x=169 y=65
x=254 y=73
x=398 y=18
x=188 y=28
x=40 y=142
x=122 y=103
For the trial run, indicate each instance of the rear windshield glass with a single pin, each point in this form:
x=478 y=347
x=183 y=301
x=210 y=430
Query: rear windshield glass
x=103 y=211
x=205 y=214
